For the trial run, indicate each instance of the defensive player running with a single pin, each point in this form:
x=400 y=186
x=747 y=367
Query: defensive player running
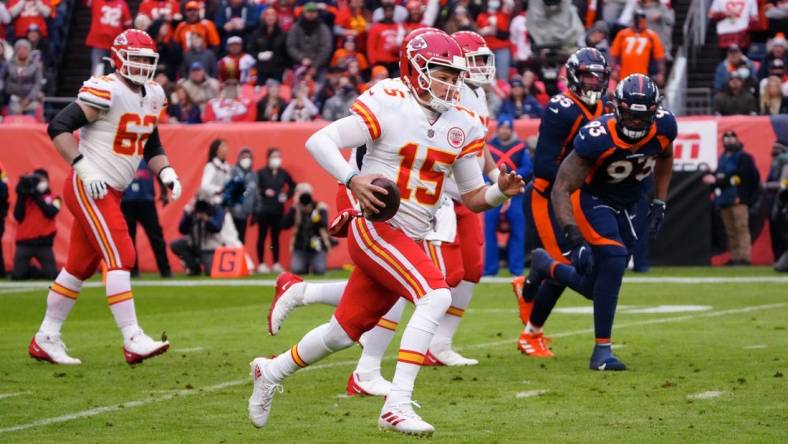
x=117 y=114
x=455 y=248
x=612 y=157
x=587 y=77
x=415 y=136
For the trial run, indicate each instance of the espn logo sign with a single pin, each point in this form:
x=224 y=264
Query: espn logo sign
x=695 y=146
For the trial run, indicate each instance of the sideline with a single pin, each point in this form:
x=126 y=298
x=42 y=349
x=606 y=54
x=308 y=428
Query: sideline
x=221 y=386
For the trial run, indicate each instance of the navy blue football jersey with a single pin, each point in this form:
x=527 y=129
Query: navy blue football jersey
x=620 y=167
x=562 y=119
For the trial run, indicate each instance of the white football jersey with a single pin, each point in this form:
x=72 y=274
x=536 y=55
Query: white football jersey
x=115 y=142
x=475 y=99
x=415 y=154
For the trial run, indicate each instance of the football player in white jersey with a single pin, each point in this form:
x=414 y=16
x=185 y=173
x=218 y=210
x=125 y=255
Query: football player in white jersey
x=117 y=116
x=460 y=262
x=415 y=136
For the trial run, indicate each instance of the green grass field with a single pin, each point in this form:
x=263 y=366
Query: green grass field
x=712 y=375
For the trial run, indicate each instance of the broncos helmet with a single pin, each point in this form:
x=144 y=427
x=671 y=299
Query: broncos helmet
x=636 y=102
x=587 y=74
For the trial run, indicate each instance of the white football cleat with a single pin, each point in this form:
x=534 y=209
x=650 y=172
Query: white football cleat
x=401 y=418
x=263 y=268
x=50 y=348
x=262 y=393
x=441 y=354
x=289 y=295
x=277 y=268
x=359 y=384
x=140 y=347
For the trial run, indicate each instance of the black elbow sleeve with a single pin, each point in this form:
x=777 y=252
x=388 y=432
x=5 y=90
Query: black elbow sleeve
x=70 y=119
x=153 y=146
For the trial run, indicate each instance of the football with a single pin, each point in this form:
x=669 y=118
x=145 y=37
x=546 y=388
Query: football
x=391 y=200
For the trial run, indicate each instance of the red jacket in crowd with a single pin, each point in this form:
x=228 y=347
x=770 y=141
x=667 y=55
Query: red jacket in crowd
x=108 y=19
x=384 y=41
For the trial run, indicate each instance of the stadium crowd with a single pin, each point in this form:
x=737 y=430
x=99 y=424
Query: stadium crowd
x=296 y=60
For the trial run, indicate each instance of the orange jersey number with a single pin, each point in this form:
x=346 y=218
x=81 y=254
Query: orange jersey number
x=129 y=142
x=427 y=173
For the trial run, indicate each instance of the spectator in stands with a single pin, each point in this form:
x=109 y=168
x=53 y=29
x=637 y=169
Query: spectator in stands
x=198 y=53
x=378 y=73
x=194 y=24
x=276 y=188
x=660 y=18
x=415 y=18
x=535 y=87
x=216 y=172
x=555 y=23
x=271 y=106
x=353 y=21
x=199 y=86
x=4 y=205
x=230 y=106
x=27 y=12
x=773 y=102
x=237 y=18
x=735 y=99
x=612 y=11
x=347 y=53
x=40 y=49
x=170 y=51
x=736 y=182
x=398 y=12
x=139 y=206
x=35 y=211
x=638 y=50
x=108 y=19
x=733 y=19
x=460 y=20
x=162 y=10
x=777 y=14
x=5 y=19
x=518 y=35
x=243 y=195
x=338 y=106
x=384 y=40
x=521 y=104
x=21 y=81
x=775 y=68
x=311 y=240
x=493 y=24
x=734 y=61
x=268 y=45
x=309 y=41
x=597 y=37
x=300 y=109
x=182 y=109
x=236 y=64
x=775 y=51
x=142 y=22
x=200 y=224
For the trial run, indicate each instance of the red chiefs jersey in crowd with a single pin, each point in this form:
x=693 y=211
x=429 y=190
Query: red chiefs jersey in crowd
x=109 y=18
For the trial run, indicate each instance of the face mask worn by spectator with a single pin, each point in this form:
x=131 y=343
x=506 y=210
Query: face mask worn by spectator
x=245 y=163
x=275 y=162
x=731 y=144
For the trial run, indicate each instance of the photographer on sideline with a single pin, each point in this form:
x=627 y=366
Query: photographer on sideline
x=35 y=211
x=200 y=224
x=311 y=240
x=3 y=214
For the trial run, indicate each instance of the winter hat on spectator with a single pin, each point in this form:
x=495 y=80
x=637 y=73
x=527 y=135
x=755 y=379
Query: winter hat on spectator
x=310 y=6
x=505 y=120
x=196 y=66
x=779 y=40
x=235 y=40
x=33 y=28
x=192 y=5
x=599 y=26
x=379 y=71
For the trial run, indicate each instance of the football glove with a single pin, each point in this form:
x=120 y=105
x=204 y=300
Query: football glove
x=170 y=180
x=90 y=177
x=656 y=216
x=579 y=252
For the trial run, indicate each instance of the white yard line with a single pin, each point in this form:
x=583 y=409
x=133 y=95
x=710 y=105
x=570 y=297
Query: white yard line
x=14 y=287
x=188 y=350
x=754 y=347
x=529 y=394
x=218 y=387
x=10 y=395
x=711 y=394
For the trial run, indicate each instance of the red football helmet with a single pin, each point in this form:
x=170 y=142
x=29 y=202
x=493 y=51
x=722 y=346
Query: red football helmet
x=424 y=53
x=480 y=59
x=130 y=49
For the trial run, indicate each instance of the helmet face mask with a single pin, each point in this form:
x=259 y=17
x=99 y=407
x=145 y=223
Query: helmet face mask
x=636 y=104
x=587 y=74
x=478 y=56
x=134 y=56
x=443 y=94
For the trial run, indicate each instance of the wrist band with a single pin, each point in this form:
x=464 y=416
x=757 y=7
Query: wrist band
x=349 y=178
x=494 y=196
x=659 y=202
x=77 y=159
